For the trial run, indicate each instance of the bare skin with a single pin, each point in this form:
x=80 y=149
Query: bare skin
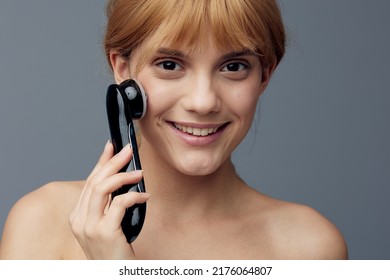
x=255 y=226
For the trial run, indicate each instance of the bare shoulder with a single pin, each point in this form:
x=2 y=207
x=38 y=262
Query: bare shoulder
x=37 y=226
x=298 y=232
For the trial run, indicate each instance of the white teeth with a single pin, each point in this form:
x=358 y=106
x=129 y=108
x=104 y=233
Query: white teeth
x=195 y=130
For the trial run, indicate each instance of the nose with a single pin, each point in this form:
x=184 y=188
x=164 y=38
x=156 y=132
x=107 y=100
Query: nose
x=202 y=96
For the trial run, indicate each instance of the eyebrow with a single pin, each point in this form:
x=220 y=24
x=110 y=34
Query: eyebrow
x=173 y=52
x=240 y=53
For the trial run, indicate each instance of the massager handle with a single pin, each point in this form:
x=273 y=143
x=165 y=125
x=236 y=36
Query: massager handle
x=122 y=133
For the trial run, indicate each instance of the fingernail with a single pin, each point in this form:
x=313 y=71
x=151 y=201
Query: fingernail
x=108 y=143
x=138 y=172
x=126 y=150
x=147 y=195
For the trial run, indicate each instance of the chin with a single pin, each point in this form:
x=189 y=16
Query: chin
x=197 y=172
x=197 y=169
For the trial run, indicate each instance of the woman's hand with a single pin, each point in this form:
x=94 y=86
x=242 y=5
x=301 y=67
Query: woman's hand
x=95 y=222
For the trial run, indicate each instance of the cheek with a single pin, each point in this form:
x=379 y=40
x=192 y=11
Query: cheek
x=160 y=95
x=243 y=102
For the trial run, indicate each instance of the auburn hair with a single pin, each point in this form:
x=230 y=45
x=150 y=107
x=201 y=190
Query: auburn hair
x=254 y=25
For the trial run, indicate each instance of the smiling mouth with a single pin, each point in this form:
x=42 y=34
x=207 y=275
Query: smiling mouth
x=196 y=131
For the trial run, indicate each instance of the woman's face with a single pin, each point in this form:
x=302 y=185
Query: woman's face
x=200 y=104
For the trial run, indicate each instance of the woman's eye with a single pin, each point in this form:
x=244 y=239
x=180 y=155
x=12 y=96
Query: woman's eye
x=234 y=67
x=169 y=65
x=235 y=70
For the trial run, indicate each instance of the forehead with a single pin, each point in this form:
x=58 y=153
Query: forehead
x=178 y=41
x=183 y=48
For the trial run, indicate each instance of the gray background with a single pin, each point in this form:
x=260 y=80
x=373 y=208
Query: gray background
x=321 y=138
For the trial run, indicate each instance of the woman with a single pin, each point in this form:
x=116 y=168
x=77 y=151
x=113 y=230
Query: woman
x=204 y=64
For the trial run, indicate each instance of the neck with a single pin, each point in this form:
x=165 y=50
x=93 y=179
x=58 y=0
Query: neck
x=178 y=194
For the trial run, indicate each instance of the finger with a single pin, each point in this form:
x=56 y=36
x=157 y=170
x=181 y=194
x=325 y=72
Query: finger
x=94 y=177
x=107 y=154
x=119 y=204
x=114 y=165
x=100 y=194
x=107 y=166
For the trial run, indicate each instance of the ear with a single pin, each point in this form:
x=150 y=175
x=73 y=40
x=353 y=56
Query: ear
x=266 y=77
x=120 y=66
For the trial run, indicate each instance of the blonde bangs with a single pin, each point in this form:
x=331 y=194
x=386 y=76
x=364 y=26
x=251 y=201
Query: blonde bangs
x=187 y=25
x=180 y=24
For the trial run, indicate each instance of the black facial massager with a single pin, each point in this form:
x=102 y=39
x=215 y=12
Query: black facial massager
x=125 y=102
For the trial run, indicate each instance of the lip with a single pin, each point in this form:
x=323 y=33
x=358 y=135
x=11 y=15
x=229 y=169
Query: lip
x=214 y=132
